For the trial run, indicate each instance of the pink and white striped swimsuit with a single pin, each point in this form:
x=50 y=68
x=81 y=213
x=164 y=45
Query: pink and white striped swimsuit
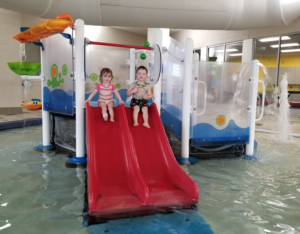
x=105 y=93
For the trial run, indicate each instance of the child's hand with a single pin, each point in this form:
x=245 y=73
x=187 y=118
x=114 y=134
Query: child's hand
x=146 y=97
x=88 y=101
x=121 y=101
x=134 y=90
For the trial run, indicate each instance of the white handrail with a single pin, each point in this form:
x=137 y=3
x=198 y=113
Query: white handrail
x=205 y=97
x=263 y=100
x=252 y=106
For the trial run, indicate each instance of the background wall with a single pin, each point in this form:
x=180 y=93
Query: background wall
x=213 y=37
x=11 y=89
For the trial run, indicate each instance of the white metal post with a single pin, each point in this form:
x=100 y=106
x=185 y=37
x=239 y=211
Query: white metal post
x=80 y=92
x=131 y=66
x=45 y=114
x=203 y=54
x=186 y=109
x=157 y=86
x=252 y=106
x=247 y=53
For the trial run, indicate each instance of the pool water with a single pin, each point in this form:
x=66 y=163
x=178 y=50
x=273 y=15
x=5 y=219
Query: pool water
x=38 y=194
x=242 y=196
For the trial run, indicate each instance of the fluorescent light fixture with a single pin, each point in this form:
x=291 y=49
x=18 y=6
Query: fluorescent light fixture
x=235 y=54
x=274 y=39
x=227 y=50
x=285 y=45
x=292 y=50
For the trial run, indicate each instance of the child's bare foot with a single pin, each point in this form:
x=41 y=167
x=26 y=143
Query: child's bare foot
x=105 y=116
x=111 y=120
x=146 y=125
x=135 y=124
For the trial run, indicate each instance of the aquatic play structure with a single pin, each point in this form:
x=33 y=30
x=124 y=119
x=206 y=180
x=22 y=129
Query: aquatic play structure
x=209 y=106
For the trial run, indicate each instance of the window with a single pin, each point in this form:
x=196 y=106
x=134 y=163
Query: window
x=216 y=53
x=228 y=52
x=267 y=55
x=233 y=52
x=289 y=63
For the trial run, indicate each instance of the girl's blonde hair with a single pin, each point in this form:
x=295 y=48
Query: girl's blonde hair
x=103 y=72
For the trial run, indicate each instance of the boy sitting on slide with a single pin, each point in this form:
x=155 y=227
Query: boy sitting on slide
x=141 y=93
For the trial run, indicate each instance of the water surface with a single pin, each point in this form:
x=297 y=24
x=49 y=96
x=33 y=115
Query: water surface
x=38 y=194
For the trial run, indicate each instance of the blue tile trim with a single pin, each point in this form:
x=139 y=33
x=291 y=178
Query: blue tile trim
x=20 y=123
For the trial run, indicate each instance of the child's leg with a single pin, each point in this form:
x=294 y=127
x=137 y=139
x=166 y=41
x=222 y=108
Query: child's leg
x=111 y=111
x=136 y=111
x=145 y=117
x=104 y=110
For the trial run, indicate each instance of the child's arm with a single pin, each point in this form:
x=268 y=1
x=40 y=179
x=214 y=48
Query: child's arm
x=118 y=96
x=148 y=94
x=92 y=95
x=131 y=90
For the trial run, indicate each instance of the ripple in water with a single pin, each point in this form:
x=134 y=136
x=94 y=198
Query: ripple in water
x=263 y=196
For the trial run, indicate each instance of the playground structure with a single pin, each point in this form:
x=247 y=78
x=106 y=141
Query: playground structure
x=218 y=98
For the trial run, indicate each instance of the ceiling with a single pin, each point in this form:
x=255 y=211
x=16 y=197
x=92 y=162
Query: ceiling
x=142 y=31
x=175 y=14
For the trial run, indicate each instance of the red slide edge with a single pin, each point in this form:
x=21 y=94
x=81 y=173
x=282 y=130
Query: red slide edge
x=136 y=180
x=176 y=173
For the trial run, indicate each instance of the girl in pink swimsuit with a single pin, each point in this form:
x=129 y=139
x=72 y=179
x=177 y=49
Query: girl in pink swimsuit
x=106 y=89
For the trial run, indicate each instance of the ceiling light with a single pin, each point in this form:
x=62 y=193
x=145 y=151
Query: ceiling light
x=285 y=45
x=227 y=50
x=292 y=50
x=235 y=54
x=274 y=39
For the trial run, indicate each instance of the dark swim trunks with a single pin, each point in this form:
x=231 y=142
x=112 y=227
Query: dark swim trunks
x=139 y=102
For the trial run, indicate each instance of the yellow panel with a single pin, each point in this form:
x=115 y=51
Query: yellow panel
x=294 y=88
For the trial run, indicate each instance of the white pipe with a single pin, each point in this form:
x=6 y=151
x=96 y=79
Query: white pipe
x=25 y=77
x=45 y=114
x=186 y=108
x=131 y=66
x=157 y=87
x=80 y=87
x=140 y=51
x=252 y=106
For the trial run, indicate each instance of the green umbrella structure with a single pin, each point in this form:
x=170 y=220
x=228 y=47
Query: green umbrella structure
x=24 y=68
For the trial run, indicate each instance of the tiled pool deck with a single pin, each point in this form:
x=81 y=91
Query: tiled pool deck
x=27 y=118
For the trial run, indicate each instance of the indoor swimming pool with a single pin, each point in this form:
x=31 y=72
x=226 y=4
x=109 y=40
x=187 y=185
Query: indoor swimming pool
x=38 y=194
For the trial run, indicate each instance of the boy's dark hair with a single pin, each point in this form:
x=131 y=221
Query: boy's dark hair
x=141 y=68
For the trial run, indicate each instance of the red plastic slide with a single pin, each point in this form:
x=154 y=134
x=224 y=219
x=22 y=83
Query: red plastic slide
x=169 y=186
x=115 y=184
x=132 y=169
